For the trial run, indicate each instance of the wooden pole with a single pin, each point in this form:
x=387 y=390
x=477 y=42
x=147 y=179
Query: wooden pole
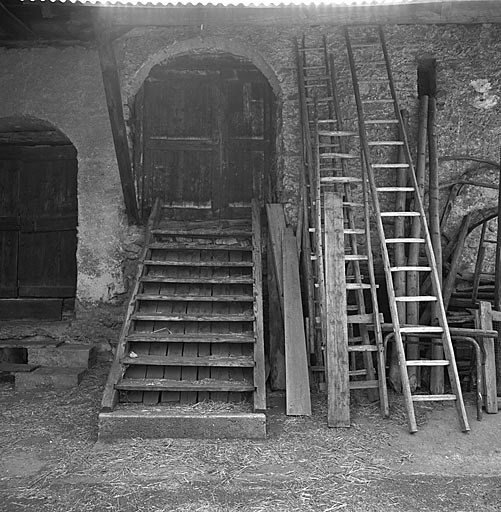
x=437 y=372
x=338 y=397
x=413 y=256
x=497 y=290
x=113 y=94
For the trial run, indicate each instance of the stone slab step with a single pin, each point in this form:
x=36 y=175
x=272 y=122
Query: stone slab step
x=28 y=342
x=158 y=423
x=17 y=367
x=49 y=378
x=65 y=355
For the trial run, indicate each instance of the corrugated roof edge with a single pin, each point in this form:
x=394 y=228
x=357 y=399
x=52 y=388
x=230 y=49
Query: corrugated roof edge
x=242 y=3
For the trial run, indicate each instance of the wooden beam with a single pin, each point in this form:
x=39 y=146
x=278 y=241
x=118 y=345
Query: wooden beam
x=418 y=12
x=484 y=321
x=338 y=385
x=115 y=109
x=298 y=399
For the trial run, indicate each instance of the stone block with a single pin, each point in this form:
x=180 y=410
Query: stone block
x=67 y=355
x=49 y=378
x=158 y=424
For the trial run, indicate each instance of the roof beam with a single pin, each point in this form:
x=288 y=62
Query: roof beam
x=113 y=94
x=426 y=12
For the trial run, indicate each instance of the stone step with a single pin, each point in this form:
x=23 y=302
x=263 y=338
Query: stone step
x=49 y=378
x=67 y=355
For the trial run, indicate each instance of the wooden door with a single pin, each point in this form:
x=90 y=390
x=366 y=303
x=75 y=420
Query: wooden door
x=38 y=219
x=207 y=137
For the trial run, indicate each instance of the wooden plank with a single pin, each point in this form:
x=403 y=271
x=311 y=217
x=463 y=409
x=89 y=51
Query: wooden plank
x=259 y=368
x=277 y=227
x=206 y=337
x=113 y=94
x=298 y=400
x=338 y=386
x=162 y=385
x=484 y=319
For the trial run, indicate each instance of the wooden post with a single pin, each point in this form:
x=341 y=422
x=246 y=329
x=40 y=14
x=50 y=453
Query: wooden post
x=437 y=372
x=298 y=399
x=497 y=281
x=484 y=318
x=338 y=384
x=111 y=84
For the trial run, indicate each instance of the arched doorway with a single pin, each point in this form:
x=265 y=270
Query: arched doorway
x=38 y=220
x=204 y=133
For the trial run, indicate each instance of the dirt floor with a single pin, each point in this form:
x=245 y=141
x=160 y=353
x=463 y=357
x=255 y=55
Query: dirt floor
x=50 y=461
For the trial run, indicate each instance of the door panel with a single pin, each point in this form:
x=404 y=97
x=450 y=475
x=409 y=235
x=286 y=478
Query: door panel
x=206 y=137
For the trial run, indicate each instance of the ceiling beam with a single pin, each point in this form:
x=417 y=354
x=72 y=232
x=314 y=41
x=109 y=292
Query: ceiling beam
x=426 y=12
x=113 y=94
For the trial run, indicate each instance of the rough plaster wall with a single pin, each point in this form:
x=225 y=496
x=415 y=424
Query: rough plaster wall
x=64 y=87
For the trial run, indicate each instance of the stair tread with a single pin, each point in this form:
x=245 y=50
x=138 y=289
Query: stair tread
x=177 y=317
x=395 y=189
x=195 y=298
x=336 y=133
x=404 y=240
x=199 y=247
x=168 y=337
x=340 y=179
x=391 y=166
x=400 y=214
x=410 y=268
x=362 y=348
x=197 y=280
x=381 y=121
x=338 y=155
x=183 y=385
x=187 y=263
x=224 y=361
x=201 y=232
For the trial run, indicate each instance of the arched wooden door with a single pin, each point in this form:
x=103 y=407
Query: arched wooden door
x=38 y=220
x=205 y=129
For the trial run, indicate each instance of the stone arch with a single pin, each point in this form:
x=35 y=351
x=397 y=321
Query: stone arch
x=205 y=45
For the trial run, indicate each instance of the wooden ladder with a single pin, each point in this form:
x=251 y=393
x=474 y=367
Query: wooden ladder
x=332 y=169
x=194 y=325
x=382 y=130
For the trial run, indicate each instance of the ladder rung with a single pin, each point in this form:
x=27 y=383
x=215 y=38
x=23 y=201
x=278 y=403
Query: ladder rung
x=338 y=155
x=367 y=318
x=326 y=121
x=349 y=204
x=356 y=257
x=336 y=133
x=362 y=348
x=386 y=143
x=358 y=286
x=381 y=121
x=382 y=100
x=395 y=189
x=421 y=329
x=364 y=384
x=405 y=240
x=416 y=298
x=400 y=214
x=428 y=362
x=340 y=179
x=390 y=166
x=432 y=398
x=357 y=373
x=410 y=269
x=321 y=100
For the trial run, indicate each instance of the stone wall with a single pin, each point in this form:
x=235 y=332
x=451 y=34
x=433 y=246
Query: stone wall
x=64 y=86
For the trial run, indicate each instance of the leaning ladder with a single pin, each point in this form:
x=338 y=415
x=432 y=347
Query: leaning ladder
x=329 y=171
x=379 y=112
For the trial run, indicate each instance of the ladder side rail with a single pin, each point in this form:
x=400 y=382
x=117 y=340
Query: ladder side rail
x=110 y=394
x=366 y=157
x=446 y=338
x=305 y=203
